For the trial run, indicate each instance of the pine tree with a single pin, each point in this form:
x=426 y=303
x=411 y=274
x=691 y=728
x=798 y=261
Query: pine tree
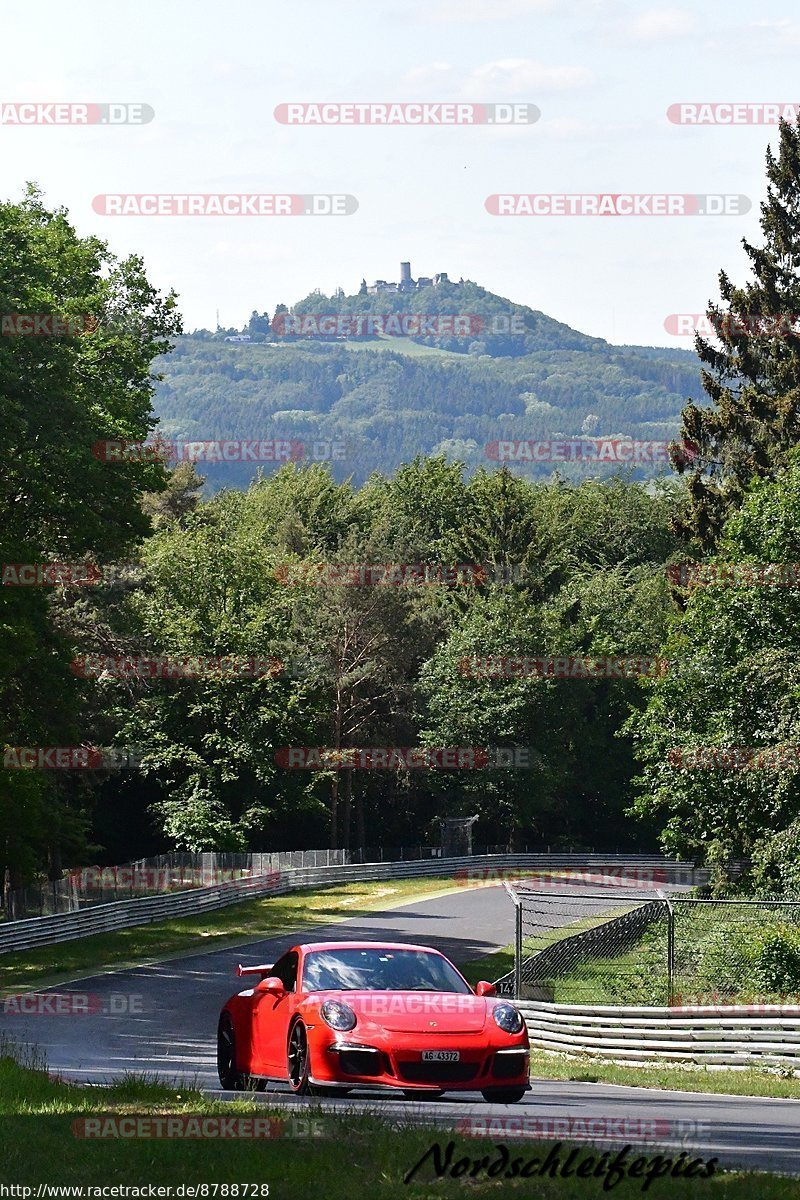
x=752 y=372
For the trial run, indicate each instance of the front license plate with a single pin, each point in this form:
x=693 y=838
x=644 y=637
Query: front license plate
x=441 y=1056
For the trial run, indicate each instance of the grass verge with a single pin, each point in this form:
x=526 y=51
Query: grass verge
x=673 y=1077
x=355 y=1156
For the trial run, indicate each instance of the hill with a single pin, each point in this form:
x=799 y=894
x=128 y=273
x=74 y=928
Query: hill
x=480 y=370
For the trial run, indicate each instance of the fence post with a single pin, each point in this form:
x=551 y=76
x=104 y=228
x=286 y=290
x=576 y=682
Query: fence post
x=670 y=952
x=518 y=951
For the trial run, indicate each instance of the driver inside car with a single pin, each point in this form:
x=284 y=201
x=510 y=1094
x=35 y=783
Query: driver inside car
x=407 y=976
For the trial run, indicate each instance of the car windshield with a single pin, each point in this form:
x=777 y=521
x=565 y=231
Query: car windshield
x=380 y=969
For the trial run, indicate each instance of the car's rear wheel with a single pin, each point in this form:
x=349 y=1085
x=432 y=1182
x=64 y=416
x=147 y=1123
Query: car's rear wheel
x=297 y=1060
x=503 y=1095
x=230 y=1077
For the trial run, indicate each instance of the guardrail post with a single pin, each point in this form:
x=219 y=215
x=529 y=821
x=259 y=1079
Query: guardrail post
x=670 y=953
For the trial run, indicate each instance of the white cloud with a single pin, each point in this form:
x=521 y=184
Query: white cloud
x=662 y=23
x=499 y=79
x=525 y=75
x=775 y=35
x=763 y=40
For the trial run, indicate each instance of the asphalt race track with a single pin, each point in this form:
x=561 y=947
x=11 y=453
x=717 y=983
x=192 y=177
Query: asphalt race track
x=162 y=1019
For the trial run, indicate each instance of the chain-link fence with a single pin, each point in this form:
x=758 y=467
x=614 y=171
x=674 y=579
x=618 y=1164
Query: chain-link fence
x=374 y=854
x=583 y=946
x=735 y=951
x=620 y=946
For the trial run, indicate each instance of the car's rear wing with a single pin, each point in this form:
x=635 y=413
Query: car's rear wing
x=263 y=969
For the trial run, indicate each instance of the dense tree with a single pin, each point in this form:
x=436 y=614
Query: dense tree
x=719 y=736
x=60 y=394
x=552 y=570
x=392 y=400
x=752 y=373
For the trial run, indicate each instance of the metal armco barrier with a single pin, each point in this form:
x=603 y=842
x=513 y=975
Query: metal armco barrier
x=734 y=1035
x=122 y=914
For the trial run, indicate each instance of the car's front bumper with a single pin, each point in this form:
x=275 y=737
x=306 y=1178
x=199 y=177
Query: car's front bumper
x=403 y=1066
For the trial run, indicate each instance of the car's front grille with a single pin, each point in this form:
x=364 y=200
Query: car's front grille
x=437 y=1072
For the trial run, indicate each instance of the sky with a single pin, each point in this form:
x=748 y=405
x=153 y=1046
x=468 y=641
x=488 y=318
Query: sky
x=602 y=73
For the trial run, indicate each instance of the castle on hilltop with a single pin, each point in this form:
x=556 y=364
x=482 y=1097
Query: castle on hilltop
x=406 y=284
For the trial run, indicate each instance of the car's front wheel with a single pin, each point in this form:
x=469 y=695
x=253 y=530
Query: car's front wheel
x=229 y=1076
x=503 y=1095
x=297 y=1060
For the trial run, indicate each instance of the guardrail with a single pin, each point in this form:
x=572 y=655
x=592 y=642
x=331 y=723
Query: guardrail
x=736 y=1035
x=123 y=914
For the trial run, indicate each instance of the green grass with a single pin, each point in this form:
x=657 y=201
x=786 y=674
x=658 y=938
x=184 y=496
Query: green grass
x=356 y=1156
x=234 y=925
x=636 y=976
x=677 y=1077
x=401 y=345
x=490 y=967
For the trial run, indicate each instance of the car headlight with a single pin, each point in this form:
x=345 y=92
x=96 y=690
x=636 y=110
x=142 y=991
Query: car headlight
x=338 y=1015
x=508 y=1018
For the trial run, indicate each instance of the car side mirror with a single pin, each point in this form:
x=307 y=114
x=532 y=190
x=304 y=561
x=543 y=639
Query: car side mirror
x=271 y=984
x=484 y=988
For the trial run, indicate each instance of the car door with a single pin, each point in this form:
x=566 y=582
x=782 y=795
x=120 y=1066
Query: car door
x=271 y=1018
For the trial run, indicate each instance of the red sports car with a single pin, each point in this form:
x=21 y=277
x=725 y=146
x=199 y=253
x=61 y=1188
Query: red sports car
x=334 y=1015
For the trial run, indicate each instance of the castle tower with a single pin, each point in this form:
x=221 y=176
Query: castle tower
x=405 y=272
